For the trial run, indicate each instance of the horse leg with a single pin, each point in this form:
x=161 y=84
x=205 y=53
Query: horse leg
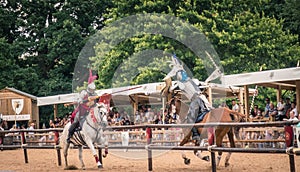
x=92 y=148
x=66 y=147
x=105 y=147
x=220 y=133
x=197 y=153
x=232 y=144
x=80 y=157
x=186 y=160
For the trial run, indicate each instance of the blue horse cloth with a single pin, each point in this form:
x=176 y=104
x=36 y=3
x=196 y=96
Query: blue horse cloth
x=201 y=116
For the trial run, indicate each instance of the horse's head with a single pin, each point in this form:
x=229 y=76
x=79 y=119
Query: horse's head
x=101 y=115
x=176 y=67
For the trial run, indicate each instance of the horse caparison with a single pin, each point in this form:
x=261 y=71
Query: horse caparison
x=222 y=114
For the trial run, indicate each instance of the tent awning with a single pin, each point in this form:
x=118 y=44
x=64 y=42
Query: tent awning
x=285 y=78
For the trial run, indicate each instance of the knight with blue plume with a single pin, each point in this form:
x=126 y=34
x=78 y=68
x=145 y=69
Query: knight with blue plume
x=199 y=105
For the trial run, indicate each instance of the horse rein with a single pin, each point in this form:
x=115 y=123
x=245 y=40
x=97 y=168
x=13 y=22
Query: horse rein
x=99 y=124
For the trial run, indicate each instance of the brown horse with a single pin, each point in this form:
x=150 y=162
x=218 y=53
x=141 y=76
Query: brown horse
x=215 y=115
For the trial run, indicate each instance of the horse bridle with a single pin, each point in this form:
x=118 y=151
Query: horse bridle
x=101 y=124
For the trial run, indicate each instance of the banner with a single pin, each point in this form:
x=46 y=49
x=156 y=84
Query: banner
x=289 y=136
x=22 y=117
x=17 y=105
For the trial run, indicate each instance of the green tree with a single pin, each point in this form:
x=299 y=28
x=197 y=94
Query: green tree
x=291 y=16
x=41 y=40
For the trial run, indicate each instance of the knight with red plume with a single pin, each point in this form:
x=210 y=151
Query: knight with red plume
x=87 y=100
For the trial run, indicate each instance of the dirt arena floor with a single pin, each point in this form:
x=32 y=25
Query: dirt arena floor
x=46 y=161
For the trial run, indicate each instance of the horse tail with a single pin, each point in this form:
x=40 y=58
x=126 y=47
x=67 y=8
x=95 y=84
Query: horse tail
x=237 y=116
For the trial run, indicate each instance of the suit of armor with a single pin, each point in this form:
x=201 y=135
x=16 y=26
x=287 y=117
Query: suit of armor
x=84 y=105
x=199 y=104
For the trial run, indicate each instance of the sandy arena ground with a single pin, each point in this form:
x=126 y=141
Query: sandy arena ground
x=46 y=160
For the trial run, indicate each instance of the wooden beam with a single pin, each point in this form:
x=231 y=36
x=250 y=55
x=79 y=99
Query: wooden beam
x=242 y=102
x=135 y=106
x=246 y=97
x=298 y=95
x=278 y=93
x=55 y=110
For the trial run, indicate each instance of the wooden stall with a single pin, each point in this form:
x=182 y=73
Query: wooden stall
x=280 y=79
x=17 y=106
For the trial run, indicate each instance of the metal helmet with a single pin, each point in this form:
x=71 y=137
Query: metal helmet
x=91 y=87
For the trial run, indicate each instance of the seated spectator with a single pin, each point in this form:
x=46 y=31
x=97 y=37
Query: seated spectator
x=167 y=117
x=138 y=119
x=259 y=114
x=292 y=116
x=280 y=109
x=109 y=120
x=267 y=107
x=174 y=115
x=144 y=118
x=117 y=117
x=294 y=109
x=51 y=124
x=287 y=108
x=254 y=112
x=158 y=120
x=272 y=112
x=125 y=121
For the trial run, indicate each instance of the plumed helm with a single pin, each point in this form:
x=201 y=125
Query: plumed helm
x=91 y=85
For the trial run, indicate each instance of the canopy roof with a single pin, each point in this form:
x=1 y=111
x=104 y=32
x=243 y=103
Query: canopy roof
x=284 y=78
x=145 y=93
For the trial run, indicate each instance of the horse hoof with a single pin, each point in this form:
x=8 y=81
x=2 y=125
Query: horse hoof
x=187 y=161
x=100 y=166
x=205 y=158
x=226 y=164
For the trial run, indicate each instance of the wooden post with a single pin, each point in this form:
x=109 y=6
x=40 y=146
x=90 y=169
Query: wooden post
x=292 y=163
x=55 y=110
x=298 y=95
x=278 y=93
x=213 y=161
x=23 y=142
x=246 y=96
x=241 y=103
x=135 y=107
x=289 y=142
x=56 y=139
x=149 y=141
x=163 y=108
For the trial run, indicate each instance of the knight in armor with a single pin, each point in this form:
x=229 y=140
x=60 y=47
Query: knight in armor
x=199 y=105
x=87 y=100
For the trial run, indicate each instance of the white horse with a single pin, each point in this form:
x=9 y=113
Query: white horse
x=91 y=135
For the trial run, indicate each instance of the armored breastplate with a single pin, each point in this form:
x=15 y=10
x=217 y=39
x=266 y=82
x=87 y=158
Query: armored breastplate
x=190 y=89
